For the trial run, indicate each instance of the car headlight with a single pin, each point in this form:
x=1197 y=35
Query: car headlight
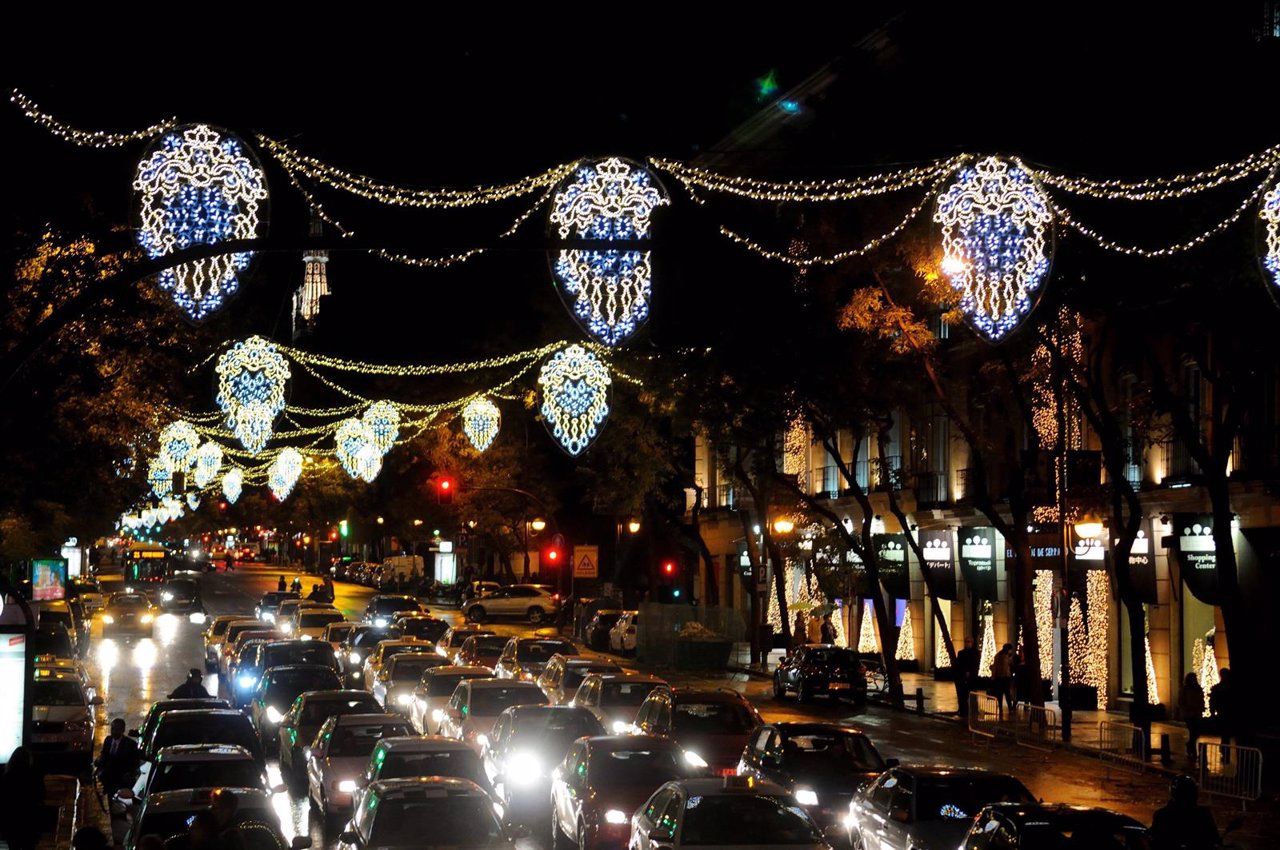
x=404 y=699
x=621 y=727
x=482 y=739
x=107 y=618
x=246 y=682
x=694 y=759
x=273 y=714
x=198 y=618
x=346 y=786
x=354 y=658
x=380 y=622
x=523 y=769
x=806 y=797
x=308 y=637
x=147 y=618
x=615 y=816
x=437 y=714
x=286 y=627
x=167 y=596
x=268 y=616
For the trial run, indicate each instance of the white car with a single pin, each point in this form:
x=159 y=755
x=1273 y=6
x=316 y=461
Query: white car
x=62 y=718
x=90 y=595
x=204 y=765
x=614 y=698
x=532 y=602
x=338 y=755
x=732 y=812
x=336 y=633
x=310 y=623
x=563 y=674
x=393 y=685
x=431 y=696
x=427 y=755
x=476 y=704
x=622 y=637
x=384 y=651
x=450 y=643
x=286 y=614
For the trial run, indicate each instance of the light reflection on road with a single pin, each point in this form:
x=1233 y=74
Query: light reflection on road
x=108 y=655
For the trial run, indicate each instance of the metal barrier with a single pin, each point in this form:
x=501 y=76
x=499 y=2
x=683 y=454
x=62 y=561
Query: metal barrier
x=984 y=715
x=1122 y=744
x=1037 y=727
x=1230 y=771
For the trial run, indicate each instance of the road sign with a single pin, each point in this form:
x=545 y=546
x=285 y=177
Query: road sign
x=586 y=562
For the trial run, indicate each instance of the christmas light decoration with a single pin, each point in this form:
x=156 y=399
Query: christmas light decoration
x=1204 y=659
x=368 y=462
x=803 y=594
x=481 y=420
x=251 y=381
x=995 y=222
x=382 y=420
x=193 y=500
x=160 y=475
x=610 y=201
x=1270 y=215
x=178 y=441
x=906 y=650
x=867 y=631
x=805 y=191
x=941 y=660
x=208 y=462
x=232 y=483
x=987 y=654
x=284 y=472
x=351 y=438
x=1153 y=688
x=1042 y=601
x=94 y=138
x=575 y=397
x=199 y=186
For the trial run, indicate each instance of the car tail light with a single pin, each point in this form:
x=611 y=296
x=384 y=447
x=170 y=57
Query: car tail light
x=555 y=597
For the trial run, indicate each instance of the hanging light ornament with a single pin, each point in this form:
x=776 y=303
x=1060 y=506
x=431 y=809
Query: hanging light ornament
x=283 y=472
x=995 y=243
x=349 y=439
x=575 y=397
x=208 y=462
x=178 y=440
x=481 y=420
x=383 y=421
x=1270 y=216
x=368 y=462
x=199 y=186
x=172 y=508
x=193 y=500
x=232 y=484
x=149 y=517
x=607 y=289
x=160 y=475
x=251 y=381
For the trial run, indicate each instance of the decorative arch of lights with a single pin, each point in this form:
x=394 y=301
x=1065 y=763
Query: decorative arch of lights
x=1270 y=216
x=284 y=472
x=178 y=442
x=232 y=484
x=996 y=243
x=251 y=382
x=198 y=185
x=609 y=202
x=575 y=397
x=481 y=421
x=208 y=462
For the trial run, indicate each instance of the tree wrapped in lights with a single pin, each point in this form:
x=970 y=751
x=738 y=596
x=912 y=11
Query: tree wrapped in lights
x=987 y=655
x=199 y=186
x=995 y=224
x=284 y=472
x=232 y=484
x=608 y=289
x=208 y=462
x=382 y=420
x=575 y=397
x=1153 y=689
x=251 y=382
x=906 y=650
x=178 y=441
x=867 y=632
x=481 y=420
x=160 y=476
x=1270 y=216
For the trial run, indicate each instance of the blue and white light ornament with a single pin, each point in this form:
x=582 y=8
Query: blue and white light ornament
x=198 y=185
x=481 y=421
x=251 y=379
x=160 y=476
x=382 y=419
x=575 y=397
x=232 y=484
x=208 y=462
x=284 y=472
x=607 y=289
x=996 y=243
x=178 y=441
x=350 y=438
x=193 y=500
x=1270 y=217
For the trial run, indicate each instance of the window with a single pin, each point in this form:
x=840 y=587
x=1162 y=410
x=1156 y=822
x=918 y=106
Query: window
x=657 y=803
x=883 y=791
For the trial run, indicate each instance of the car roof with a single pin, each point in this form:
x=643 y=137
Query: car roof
x=1022 y=812
x=291 y=642
x=524 y=640
x=718 y=787
x=378 y=597
x=47 y=673
x=612 y=743
x=334 y=695
x=409 y=641
x=580 y=661
x=710 y=695
x=208 y=713
x=502 y=683
x=391 y=789
x=291 y=668
x=628 y=676
x=458 y=670
x=790 y=727
x=824 y=646
x=423 y=744
x=519 y=711
x=54 y=605
x=193 y=702
x=949 y=770
x=369 y=719
x=203 y=752
x=191 y=799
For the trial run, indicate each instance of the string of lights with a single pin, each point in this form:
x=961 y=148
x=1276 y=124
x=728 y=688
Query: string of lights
x=324 y=361
x=801 y=191
x=1163 y=188
x=87 y=138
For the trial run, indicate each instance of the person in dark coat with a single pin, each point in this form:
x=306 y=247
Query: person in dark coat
x=281 y=587
x=1222 y=706
x=117 y=762
x=966 y=674
x=192 y=688
x=1183 y=824
x=1191 y=710
x=21 y=801
x=828 y=629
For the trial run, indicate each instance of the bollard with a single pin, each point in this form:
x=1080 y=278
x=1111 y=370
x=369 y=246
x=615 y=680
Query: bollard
x=919 y=700
x=1166 y=757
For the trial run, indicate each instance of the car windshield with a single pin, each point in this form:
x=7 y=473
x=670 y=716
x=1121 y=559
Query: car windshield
x=316 y=711
x=287 y=684
x=462 y=763
x=409 y=668
x=458 y=638
x=54 y=642
x=205 y=729
x=337 y=634
x=302 y=652
x=220 y=627
x=555 y=729
x=712 y=718
x=62 y=618
x=625 y=693
x=573 y=676
x=370 y=638
x=746 y=819
x=181 y=586
x=319 y=619
x=449 y=820
x=540 y=651
x=431 y=629
x=487 y=645
x=647 y=767
x=829 y=754
x=128 y=602
x=359 y=741
x=1069 y=831
x=57 y=693
x=236 y=629
x=443 y=686
x=239 y=773
x=248 y=651
x=839 y=657
x=490 y=701
x=962 y=797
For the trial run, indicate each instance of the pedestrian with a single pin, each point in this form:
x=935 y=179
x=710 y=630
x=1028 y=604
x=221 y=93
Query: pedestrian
x=281 y=587
x=814 y=630
x=1002 y=679
x=1191 y=711
x=21 y=801
x=828 y=629
x=296 y=585
x=966 y=675
x=800 y=633
x=1222 y=706
x=1021 y=678
x=117 y=763
x=231 y=562
x=1183 y=824
x=192 y=688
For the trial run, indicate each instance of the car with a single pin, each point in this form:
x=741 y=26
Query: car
x=243 y=671
x=278 y=688
x=562 y=675
x=926 y=806
x=62 y=715
x=52 y=641
x=147 y=732
x=602 y=780
x=481 y=651
x=234 y=646
x=422 y=755
x=531 y=602
x=270 y=601
x=89 y=592
x=478 y=589
x=236 y=628
x=396 y=679
x=69 y=616
x=476 y=704
x=525 y=658
x=286 y=611
x=356 y=648
x=713 y=726
x=180 y=594
x=596 y=632
x=527 y=742
x=385 y=650
x=1012 y=826
x=128 y=614
x=201 y=766
x=339 y=753
x=622 y=637
x=336 y=633
x=310 y=623
x=421 y=626
x=614 y=698
x=822 y=764
x=215 y=632
x=277 y=652
x=205 y=726
x=169 y=813
x=731 y=811
x=431 y=695
x=307 y=714
x=821 y=669
x=383 y=605
x=68 y=665
x=409 y=814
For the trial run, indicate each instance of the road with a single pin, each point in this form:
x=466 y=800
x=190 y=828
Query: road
x=132 y=674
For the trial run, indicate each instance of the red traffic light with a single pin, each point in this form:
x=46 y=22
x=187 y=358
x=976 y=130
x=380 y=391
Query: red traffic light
x=669 y=567
x=446 y=484
x=553 y=554
x=445 y=487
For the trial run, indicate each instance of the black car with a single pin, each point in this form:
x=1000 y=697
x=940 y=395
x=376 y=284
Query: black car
x=270 y=601
x=206 y=726
x=278 y=688
x=278 y=652
x=356 y=648
x=158 y=709
x=181 y=595
x=820 y=669
x=423 y=627
x=821 y=764
x=596 y=634
x=383 y=605
x=713 y=726
x=128 y=613
x=54 y=640
x=1009 y=825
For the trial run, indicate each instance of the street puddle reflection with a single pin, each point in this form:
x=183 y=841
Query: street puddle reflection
x=107 y=656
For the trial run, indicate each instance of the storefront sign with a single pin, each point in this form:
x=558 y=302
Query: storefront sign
x=1142 y=564
x=893 y=565
x=1193 y=541
x=14 y=679
x=940 y=562
x=978 y=561
x=1087 y=553
x=1045 y=543
x=48 y=579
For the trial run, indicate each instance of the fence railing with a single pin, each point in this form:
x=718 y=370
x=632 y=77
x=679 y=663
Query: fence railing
x=825 y=481
x=984 y=715
x=931 y=488
x=1122 y=744
x=1230 y=771
x=724 y=496
x=1037 y=727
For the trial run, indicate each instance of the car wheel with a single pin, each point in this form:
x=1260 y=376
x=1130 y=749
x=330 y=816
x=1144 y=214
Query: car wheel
x=855 y=840
x=779 y=691
x=803 y=692
x=535 y=615
x=476 y=614
x=559 y=841
x=582 y=836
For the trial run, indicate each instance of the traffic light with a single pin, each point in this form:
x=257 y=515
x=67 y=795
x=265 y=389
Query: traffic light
x=552 y=555
x=343 y=529
x=669 y=581
x=669 y=568
x=445 y=486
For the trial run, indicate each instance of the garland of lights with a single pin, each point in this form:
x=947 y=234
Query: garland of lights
x=987 y=655
x=199 y=186
x=284 y=472
x=251 y=380
x=1269 y=213
x=802 y=191
x=575 y=397
x=91 y=138
x=178 y=442
x=906 y=650
x=481 y=420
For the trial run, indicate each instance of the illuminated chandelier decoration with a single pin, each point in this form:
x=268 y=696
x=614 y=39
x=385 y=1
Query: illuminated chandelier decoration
x=575 y=397
x=232 y=484
x=1270 y=215
x=160 y=476
x=995 y=244
x=368 y=463
x=481 y=421
x=199 y=186
x=193 y=500
x=284 y=472
x=251 y=380
x=208 y=462
x=382 y=420
x=178 y=441
x=351 y=438
x=607 y=290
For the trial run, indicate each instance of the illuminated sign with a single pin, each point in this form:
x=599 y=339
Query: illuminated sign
x=48 y=579
x=13 y=675
x=146 y=554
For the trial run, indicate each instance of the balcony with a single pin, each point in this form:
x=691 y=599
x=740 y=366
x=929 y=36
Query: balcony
x=931 y=489
x=724 y=496
x=1176 y=464
x=824 y=482
x=880 y=474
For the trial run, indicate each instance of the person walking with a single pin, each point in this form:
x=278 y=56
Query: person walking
x=1021 y=679
x=828 y=629
x=117 y=762
x=21 y=801
x=813 y=630
x=1002 y=678
x=281 y=587
x=800 y=631
x=966 y=675
x=1191 y=711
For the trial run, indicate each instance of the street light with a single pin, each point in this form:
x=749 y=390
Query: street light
x=633 y=525
x=538 y=524
x=1089 y=527
x=783 y=525
x=381 y=520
